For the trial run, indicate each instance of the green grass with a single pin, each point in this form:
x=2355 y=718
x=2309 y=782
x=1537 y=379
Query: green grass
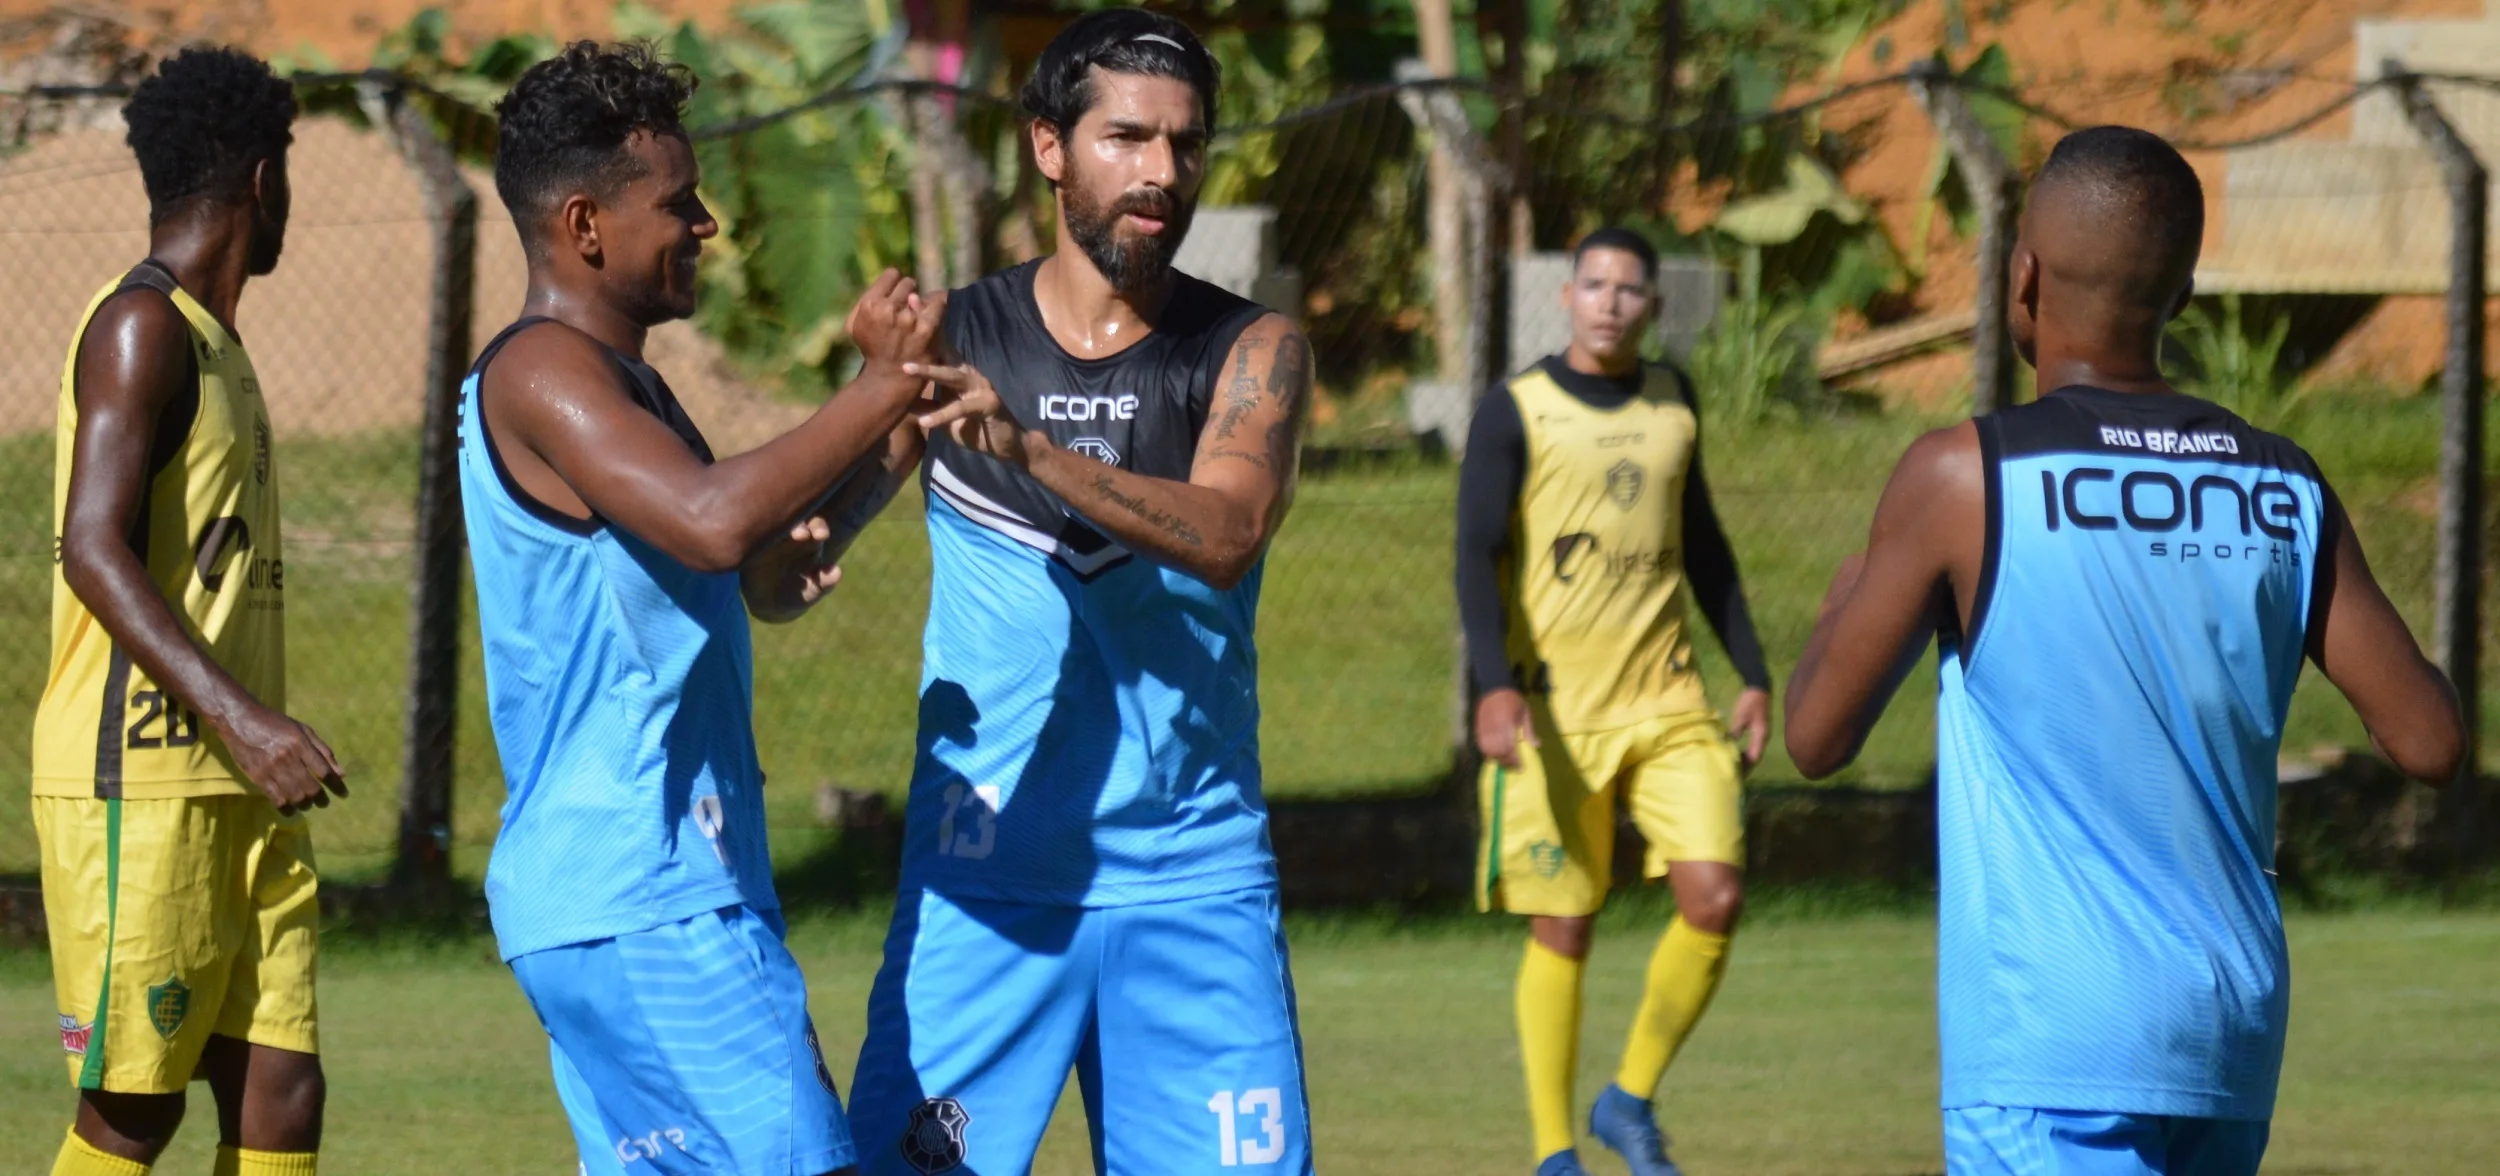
x=1357 y=629
x=1818 y=1059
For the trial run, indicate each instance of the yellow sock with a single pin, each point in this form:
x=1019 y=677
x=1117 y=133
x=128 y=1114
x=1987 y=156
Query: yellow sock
x=81 y=1158
x=1549 y=1041
x=243 y=1161
x=1683 y=973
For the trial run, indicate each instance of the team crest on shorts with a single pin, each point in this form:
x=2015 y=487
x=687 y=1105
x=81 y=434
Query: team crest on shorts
x=168 y=1004
x=1547 y=857
x=933 y=1141
x=74 y=1035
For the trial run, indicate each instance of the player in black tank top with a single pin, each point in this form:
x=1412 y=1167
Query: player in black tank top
x=1140 y=410
x=1101 y=408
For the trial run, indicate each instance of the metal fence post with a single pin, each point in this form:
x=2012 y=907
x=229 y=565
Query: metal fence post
x=1469 y=343
x=2457 y=617
x=1992 y=185
x=424 y=860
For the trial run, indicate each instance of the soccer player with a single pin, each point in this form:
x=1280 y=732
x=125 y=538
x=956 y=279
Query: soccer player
x=617 y=563
x=2124 y=582
x=1087 y=881
x=1584 y=530
x=170 y=786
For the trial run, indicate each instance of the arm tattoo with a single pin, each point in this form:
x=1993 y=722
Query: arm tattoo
x=1291 y=383
x=1256 y=459
x=1169 y=524
x=1242 y=396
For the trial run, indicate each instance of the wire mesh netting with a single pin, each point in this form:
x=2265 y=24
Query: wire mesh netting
x=1824 y=330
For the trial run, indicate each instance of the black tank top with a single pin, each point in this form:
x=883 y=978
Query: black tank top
x=1140 y=410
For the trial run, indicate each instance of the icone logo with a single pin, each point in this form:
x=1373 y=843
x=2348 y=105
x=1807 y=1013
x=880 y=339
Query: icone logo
x=2089 y=498
x=1089 y=408
x=632 y=1149
x=2148 y=500
x=1096 y=448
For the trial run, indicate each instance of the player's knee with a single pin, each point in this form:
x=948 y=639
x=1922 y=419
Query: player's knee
x=294 y=1096
x=1567 y=936
x=1716 y=907
x=132 y=1126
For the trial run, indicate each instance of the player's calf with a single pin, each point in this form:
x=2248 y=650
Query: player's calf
x=268 y=1100
x=133 y=1128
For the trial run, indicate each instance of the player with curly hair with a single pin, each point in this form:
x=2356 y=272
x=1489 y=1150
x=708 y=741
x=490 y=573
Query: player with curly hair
x=170 y=785
x=617 y=564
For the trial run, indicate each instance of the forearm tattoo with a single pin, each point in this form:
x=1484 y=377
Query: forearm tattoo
x=1169 y=524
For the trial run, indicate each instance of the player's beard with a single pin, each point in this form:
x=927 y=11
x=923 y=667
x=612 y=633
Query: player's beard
x=1141 y=262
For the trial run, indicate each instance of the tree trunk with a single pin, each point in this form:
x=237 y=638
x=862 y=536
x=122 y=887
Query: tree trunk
x=1447 y=214
x=1506 y=21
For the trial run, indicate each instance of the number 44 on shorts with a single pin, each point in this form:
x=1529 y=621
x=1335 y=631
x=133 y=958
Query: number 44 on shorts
x=1267 y=1105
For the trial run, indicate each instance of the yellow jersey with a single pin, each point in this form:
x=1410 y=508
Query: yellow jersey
x=1595 y=590
x=208 y=533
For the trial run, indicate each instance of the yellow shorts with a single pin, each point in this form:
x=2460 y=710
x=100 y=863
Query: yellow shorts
x=1549 y=828
x=171 y=921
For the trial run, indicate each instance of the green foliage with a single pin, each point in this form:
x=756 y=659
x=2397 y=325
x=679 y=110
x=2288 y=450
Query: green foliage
x=1748 y=361
x=2234 y=368
x=810 y=206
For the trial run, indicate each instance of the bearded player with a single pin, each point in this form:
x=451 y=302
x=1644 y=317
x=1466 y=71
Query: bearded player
x=1585 y=536
x=617 y=565
x=170 y=786
x=2124 y=583
x=1087 y=882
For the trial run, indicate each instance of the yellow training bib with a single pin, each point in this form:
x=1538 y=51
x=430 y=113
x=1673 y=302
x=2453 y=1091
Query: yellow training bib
x=208 y=533
x=1597 y=590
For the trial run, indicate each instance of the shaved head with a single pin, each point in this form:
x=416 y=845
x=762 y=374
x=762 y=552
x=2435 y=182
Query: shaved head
x=2109 y=241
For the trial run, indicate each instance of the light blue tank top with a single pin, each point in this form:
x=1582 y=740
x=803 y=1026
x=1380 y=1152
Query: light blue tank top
x=1089 y=721
x=620 y=686
x=2110 y=938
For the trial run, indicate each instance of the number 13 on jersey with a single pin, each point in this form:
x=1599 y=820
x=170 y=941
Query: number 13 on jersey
x=1267 y=1105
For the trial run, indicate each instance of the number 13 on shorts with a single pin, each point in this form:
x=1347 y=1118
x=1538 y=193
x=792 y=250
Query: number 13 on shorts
x=1265 y=1108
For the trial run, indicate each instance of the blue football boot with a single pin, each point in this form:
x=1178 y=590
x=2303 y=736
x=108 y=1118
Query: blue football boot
x=1562 y=1163
x=1629 y=1129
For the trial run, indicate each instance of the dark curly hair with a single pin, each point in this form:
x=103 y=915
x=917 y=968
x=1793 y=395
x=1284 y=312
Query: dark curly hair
x=1123 y=41
x=202 y=122
x=565 y=122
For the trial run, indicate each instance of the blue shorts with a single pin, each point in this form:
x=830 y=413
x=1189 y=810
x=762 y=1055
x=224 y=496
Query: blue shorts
x=687 y=1049
x=1177 y=1017
x=2012 y=1141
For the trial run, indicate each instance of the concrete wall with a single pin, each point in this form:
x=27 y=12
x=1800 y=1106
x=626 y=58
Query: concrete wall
x=2364 y=215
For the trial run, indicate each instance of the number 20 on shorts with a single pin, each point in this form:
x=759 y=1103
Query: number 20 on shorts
x=1267 y=1104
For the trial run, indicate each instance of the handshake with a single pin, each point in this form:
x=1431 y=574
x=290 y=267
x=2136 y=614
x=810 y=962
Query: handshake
x=897 y=330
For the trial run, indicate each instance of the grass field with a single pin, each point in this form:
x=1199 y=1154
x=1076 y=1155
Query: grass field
x=1356 y=625
x=1818 y=1060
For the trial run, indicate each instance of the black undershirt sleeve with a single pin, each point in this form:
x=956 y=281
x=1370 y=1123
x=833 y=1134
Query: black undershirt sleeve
x=1489 y=477
x=1710 y=566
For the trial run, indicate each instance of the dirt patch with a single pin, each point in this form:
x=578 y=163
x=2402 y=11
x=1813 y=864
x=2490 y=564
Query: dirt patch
x=345 y=31
x=338 y=332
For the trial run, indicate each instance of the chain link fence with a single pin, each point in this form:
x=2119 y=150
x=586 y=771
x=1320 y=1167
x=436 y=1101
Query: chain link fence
x=2321 y=317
